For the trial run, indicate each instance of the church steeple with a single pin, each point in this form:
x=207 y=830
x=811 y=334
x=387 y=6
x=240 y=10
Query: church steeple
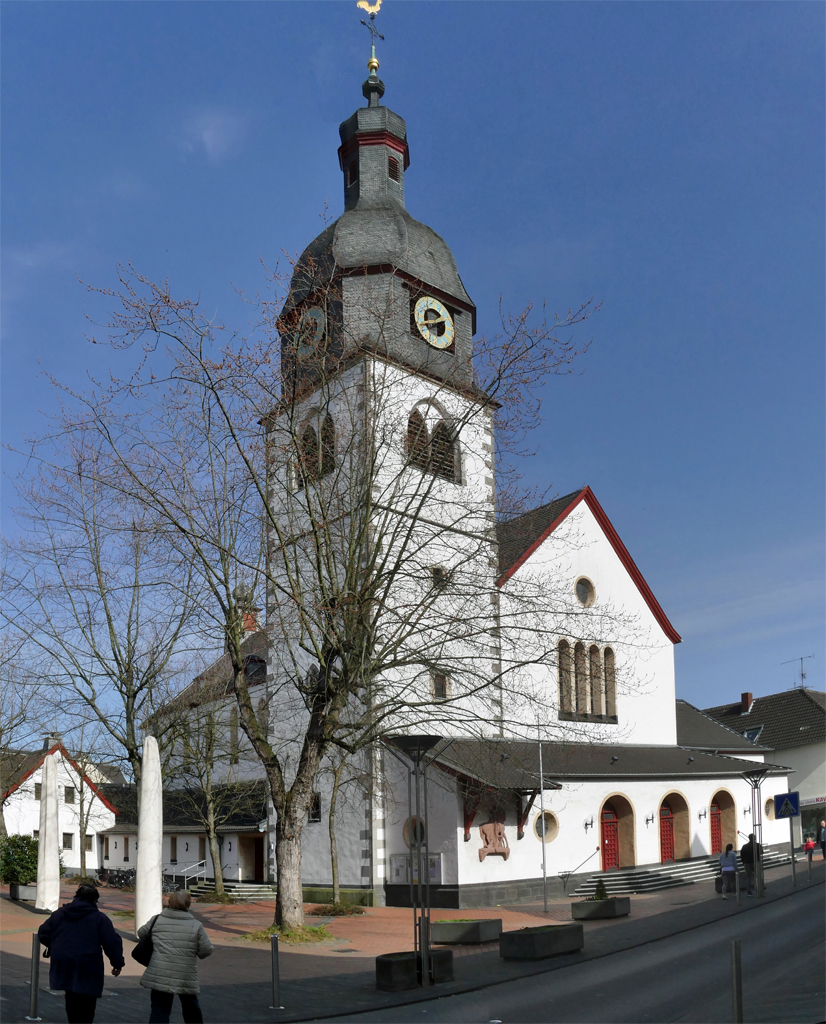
x=373 y=155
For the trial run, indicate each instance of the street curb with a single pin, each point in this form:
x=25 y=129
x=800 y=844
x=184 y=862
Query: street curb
x=558 y=963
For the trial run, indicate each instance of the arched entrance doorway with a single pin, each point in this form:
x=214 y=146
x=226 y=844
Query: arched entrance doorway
x=675 y=838
x=723 y=823
x=617 y=845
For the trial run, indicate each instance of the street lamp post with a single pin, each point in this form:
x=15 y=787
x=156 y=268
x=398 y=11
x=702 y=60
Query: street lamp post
x=415 y=749
x=755 y=777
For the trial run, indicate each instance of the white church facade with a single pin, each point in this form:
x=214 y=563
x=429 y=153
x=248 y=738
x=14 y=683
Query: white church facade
x=577 y=651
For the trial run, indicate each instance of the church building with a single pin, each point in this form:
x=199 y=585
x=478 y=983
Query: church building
x=556 y=705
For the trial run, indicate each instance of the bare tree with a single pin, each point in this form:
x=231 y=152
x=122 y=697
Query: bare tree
x=96 y=593
x=21 y=707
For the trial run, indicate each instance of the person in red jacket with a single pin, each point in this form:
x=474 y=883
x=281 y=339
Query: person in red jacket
x=76 y=936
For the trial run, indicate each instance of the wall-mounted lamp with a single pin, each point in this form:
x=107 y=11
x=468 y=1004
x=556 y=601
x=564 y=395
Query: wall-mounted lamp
x=746 y=810
x=615 y=758
x=589 y=824
x=649 y=819
x=689 y=760
x=702 y=814
x=186 y=847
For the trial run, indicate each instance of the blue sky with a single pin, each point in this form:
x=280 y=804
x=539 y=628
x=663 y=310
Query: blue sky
x=663 y=158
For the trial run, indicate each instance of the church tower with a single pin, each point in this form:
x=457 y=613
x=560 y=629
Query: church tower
x=377 y=279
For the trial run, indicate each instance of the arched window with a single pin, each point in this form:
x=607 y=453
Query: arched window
x=581 y=679
x=255 y=670
x=308 y=462
x=597 y=706
x=328 y=445
x=417 y=440
x=443 y=453
x=563 y=651
x=610 y=683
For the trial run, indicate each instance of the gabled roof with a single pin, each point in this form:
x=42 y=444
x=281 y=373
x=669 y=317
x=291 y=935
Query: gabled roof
x=216 y=682
x=35 y=759
x=792 y=718
x=519 y=538
x=700 y=731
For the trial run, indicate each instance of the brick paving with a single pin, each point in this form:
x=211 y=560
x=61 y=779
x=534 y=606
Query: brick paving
x=337 y=976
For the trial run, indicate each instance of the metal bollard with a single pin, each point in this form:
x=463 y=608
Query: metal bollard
x=35 y=979
x=809 y=867
x=276 y=977
x=737 y=886
x=736 y=983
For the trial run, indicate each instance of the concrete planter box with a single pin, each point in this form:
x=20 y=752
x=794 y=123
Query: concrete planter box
x=539 y=943
x=452 y=933
x=593 y=910
x=396 y=972
x=22 y=892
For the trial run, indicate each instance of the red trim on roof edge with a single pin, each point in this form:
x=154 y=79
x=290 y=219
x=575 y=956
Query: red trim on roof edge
x=73 y=763
x=588 y=496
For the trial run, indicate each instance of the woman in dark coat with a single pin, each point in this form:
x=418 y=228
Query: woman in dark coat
x=75 y=935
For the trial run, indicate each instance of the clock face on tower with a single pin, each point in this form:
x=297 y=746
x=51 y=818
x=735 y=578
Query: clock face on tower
x=311 y=327
x=434 y=322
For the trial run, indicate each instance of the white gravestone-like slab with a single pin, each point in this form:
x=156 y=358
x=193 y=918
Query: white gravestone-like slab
x=148 y=882
x=48 y=849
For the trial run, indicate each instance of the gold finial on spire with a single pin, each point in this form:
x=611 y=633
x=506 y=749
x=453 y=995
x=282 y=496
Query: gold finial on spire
x=372 y=10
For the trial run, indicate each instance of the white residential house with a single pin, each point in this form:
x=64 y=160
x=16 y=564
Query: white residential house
x=78 y=792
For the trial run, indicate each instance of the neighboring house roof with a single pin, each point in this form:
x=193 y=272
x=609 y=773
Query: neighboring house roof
x=216 y=681
x=792 y=718
x=519 y=538
x=700 y=731
x=514 y=764
x=244 y=806
x=35 y=759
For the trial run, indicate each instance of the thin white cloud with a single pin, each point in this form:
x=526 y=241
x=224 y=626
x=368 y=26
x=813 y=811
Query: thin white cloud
x=43 y=254
x=215 y=132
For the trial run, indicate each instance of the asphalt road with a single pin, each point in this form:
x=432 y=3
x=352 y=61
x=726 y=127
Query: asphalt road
x=683 y=978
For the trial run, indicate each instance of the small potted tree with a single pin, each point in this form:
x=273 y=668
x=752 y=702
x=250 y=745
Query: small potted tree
x=18 y=866
x=601 y=905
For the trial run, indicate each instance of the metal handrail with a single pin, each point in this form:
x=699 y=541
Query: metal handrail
x=193 y=871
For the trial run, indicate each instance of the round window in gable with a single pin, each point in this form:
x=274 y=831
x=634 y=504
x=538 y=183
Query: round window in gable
x=551 y=826
x=585 y=593
x=769 y=809
x=413 y=831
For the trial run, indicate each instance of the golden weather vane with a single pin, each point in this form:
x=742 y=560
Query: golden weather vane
x=372 y=10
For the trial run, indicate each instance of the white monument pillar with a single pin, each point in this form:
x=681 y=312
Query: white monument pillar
x=48 y=850
x=148 y=882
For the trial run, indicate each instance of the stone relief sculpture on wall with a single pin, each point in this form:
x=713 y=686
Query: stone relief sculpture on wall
x=494 y=840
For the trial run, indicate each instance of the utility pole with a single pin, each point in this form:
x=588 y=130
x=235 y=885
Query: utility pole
x=801 y=659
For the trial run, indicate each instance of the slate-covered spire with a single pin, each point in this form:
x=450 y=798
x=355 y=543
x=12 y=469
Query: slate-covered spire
x=373 y=155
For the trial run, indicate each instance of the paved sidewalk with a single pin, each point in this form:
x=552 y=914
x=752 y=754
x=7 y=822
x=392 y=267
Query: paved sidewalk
x=337 y=977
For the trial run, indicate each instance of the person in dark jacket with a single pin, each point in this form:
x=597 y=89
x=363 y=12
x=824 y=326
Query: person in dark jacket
x=75 y=935
x=749 y=853
x=821 y=837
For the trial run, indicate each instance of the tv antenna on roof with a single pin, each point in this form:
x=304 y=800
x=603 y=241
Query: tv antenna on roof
x=801 y=659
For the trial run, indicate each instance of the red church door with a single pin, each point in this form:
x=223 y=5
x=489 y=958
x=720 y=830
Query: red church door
x=716 y=830
x=666 y=834
x=610 y=839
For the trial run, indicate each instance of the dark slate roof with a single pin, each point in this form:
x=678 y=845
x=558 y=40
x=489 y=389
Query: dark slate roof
x=792 y=718
x=515 y=536
x=241 y=807
x=700 y=731
x=514 y=764
x=216 y=681
x=377 y=232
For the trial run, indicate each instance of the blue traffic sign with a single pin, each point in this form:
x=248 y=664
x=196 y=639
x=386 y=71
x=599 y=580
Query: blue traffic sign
x=787 y=805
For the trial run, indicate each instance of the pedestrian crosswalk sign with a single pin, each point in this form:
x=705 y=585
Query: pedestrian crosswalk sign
x=787 y=805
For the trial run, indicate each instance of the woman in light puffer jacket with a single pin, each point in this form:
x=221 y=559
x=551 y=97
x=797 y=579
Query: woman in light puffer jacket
x=178 y=942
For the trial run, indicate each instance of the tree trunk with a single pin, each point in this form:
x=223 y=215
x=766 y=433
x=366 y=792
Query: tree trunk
x=332 y=828
x=289 y=910
x=215 y=853
x=3 y=832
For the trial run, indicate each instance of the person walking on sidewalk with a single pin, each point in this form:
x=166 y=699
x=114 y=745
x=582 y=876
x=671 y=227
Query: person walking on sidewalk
x=178 y=941
x=728 y=867
x=749 y=854
x=821 y=838
x=75 y=935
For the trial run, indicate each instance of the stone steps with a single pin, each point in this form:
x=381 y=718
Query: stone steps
x=250 y=892
x=666 y=876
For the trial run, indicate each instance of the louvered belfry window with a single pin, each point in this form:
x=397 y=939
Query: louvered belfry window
x=442 y=454
x=393 y=169
x=417 y=440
